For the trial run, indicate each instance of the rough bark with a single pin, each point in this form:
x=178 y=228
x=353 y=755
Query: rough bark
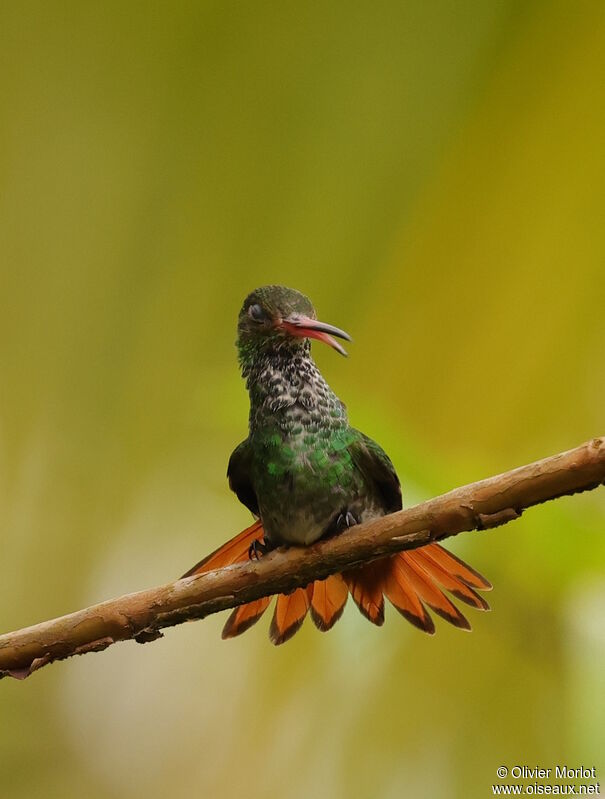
x=140 y=616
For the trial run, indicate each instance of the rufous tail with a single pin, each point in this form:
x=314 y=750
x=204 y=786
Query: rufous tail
x=412 y=581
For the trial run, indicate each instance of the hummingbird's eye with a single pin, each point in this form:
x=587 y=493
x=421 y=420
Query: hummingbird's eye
x=256 y=313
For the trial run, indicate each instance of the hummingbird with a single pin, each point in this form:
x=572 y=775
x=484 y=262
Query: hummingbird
x=306 y=474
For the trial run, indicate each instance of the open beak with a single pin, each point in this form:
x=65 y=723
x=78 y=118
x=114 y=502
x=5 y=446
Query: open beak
x=305 y=327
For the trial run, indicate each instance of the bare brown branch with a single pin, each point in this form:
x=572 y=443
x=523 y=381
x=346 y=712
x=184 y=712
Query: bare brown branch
x=142 y=615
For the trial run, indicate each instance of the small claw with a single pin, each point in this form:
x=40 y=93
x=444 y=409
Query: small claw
x=256 y=549
x=345 y=520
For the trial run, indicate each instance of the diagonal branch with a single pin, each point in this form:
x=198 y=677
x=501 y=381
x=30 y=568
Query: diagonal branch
x=141 y=616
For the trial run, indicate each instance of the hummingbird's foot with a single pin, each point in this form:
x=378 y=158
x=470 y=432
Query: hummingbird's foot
x=344 y=521
x=256 y=549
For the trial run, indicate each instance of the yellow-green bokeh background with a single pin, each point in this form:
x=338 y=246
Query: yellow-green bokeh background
x=432 y=174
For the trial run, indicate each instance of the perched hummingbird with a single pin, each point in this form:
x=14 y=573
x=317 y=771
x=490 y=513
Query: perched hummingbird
x=306 y=474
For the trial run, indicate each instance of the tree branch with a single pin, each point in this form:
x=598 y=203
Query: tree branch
x=141 y=616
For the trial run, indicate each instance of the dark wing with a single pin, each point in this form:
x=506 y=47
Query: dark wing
x=376 y=467
x=238 y=473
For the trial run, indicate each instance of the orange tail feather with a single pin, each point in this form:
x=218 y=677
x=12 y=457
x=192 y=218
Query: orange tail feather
x=366 y=585
x=234 y=551
x=290 y=612
x=404 y=598
x=456 y=567
x=243 y=617
x=454 y=585
x=328 y=601
x=427 y=591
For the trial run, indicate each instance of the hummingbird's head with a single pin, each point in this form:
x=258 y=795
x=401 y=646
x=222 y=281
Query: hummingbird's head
x=276 y=318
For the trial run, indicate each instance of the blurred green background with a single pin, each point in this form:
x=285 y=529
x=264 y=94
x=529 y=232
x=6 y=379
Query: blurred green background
x=432 y=174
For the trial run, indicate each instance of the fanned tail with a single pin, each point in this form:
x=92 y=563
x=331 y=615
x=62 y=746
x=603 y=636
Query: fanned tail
x=412 y=581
